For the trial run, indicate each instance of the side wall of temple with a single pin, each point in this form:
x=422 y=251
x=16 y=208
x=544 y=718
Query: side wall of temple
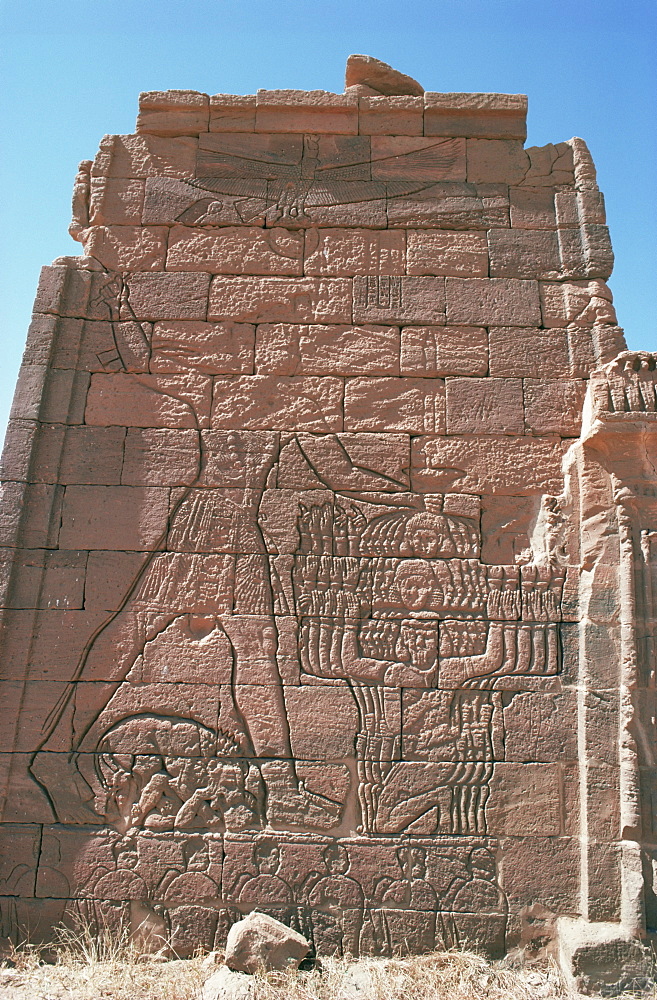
x=314 y=598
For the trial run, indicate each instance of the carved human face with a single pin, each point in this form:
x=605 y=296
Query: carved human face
x=418 y=865
x=126 y=856
x=268 y=860
x=415 y=584
x=336 y=859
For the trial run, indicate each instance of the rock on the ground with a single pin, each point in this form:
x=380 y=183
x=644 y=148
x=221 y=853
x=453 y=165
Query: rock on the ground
x=225 y=984
x=380 y=77
x=259 y=942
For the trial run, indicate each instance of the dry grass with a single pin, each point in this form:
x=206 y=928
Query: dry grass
x=82 y=967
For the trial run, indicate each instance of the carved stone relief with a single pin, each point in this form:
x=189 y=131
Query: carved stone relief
x=306 y=513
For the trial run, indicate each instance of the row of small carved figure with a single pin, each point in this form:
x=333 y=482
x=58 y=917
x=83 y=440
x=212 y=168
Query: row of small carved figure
x=341 y=528
x=349 y=587
x=426 y=878
x=627 y=385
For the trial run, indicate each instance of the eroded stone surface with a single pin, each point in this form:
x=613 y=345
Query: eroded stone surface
x=303 y=611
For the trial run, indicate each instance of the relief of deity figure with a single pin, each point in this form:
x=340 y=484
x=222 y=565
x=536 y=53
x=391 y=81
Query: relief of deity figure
x=372 y=578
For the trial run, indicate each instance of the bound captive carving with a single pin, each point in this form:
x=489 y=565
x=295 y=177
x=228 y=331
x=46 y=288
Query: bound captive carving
x=315 y=603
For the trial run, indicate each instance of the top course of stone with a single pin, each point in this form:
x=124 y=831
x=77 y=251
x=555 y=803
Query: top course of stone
x=378 y=100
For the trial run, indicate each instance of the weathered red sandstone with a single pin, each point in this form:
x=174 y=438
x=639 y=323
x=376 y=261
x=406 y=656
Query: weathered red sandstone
x=328 y=539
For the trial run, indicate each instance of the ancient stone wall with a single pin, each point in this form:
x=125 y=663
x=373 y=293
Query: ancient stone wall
x=297 y=590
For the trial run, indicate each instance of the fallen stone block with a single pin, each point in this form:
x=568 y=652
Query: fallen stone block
x=262 y=943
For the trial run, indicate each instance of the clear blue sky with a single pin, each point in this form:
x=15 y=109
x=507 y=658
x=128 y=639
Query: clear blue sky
x=72 y=71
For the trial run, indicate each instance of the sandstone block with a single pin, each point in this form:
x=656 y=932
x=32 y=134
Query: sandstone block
x=541 y=870
x=126 y=248
x=415 y=405
x=42 y=578
x=149 y=400
x=493 y=116
x=344 y=252
x=291 y=349
x=541 y=727
x=335 y=712
x=51 y=395
x=50 y=289
x=379 y=76
x=74 y=292
x=513 y=788
x=26 y=404
x=566 y=207
x=492 y=301
x=417 y=159
x=121 y=517
x=571 y=251
x=41 y=336
x=607 y=340
x=484 y=406
x=17 y=450
x=529 y=351
x=91 y=345
x=399 y=115
x=281 y=300
x=506 y=523
x=79 y=455
x=533 y=208
x=170 y=200
x=440 y=252
x=451 y=205
x=115 y=201
x=30 y=514
x=259 y=156
x=207 y=348
x=110 y=575
x=20 y=852
x=238 y=459
x=348 y=461
x=313 y=111
x=260 y=943
x=169 y=296
x=160 y=457
x=598 y=254
x=583 y=303
x=496 y=464
x=496 y=161
x=444 y=350
x=365 y=207
x=520 y=253
x=245 y=250
x=591 y=207
x=550 y=165
x=232 y=113
x=399 y=300
x=554 y=407
x=273 y=402
x=173 y=112
x=582 y=352
x=601 y=956
x=140 y=156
